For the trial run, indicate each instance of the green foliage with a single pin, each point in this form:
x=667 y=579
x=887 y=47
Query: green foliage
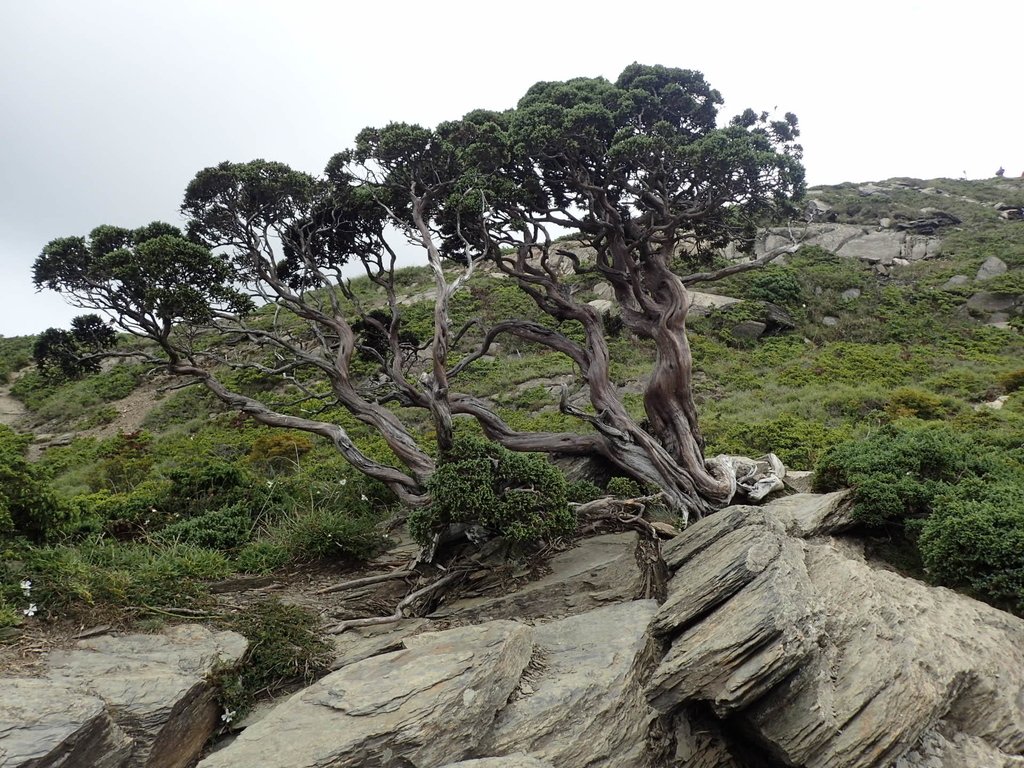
x=625 y=488
x=775 y=284
x=897 y=473
x=149 y=278
x=96 y=572
x=285 y=647
x=332 y=533
x=519 y=496
x=15 y=354
x=63 y=354
x=797 y=441
x=974 y=537
x=28 y=506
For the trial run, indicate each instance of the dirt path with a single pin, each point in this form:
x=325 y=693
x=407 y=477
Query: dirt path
x=11 y=410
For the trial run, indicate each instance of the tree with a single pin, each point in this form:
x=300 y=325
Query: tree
x=72 y=354
x=639 y=168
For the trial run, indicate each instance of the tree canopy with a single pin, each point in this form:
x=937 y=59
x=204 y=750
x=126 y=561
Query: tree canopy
x=645 y=171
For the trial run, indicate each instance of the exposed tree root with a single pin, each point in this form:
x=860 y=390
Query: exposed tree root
x=402 y=573
x=400 y=609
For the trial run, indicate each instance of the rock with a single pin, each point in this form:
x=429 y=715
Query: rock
x=955 y=281
x=363 y=642
x=44 y=724
x=600 y=571
x=799 y=480
x=604 y=290
x=937 y=751
x=702 y=303
x=750 y=643
x=749 y=329
x=830 y=321
x=993 y=266
x=873 y=247
x=824 y=661
x=605 y=307
x=427 y=705
x=156 y=687
x=567 y=716
x=885 y=222
x=873 y=189
x=986 y=302
x=508 y=761
x=850 y=294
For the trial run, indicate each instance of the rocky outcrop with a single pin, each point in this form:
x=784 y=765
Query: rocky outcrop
x=822 y=659
x=427 y=705
x=871 y=245
x=600 y=571
x=45 y=724
x=132 y=700
x=778 y=644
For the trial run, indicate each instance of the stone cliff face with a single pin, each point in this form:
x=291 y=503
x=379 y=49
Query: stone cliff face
x=777 y=644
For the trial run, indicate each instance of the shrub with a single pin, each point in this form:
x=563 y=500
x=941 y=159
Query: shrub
x=515 y=495
x=326 y=532
x=285 y=646
x=974 y=538
x=897 y=473
x=28 y=507
x=262 y=556
x=223 y=529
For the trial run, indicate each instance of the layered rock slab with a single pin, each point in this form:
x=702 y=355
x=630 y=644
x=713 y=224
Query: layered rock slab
x=427 y=705
x=44 y=724
x=825 y=660
x=155 y=687
x=583 y=707
x=600 y=571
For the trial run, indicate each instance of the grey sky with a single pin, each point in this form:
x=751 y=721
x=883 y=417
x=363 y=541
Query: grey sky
x=109 y=107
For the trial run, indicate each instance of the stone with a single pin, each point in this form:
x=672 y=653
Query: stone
x=830 y=321
x=566 y=716
x=599 y=571
x=605 y=307
x=850 y=294
x=746 y=646
x=508 y=761
x=799 y=480
x=703 y=303
x=603 y=290
x=993 y=266
x=44 y=724
x=986 y=302
x=955 y=281
x=749 y=329
x=874 y=247
x=363 y=642
x=826 y=661
x=156 y=687
x=429 y=704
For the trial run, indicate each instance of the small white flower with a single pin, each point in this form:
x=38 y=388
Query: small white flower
x=31 y=610
x=343 y=481
x=26 y=586
x=363 y=498
x=270 y=483
x=229 y=715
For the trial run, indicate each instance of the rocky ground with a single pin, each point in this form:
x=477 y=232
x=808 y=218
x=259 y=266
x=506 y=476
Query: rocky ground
x=776 y=644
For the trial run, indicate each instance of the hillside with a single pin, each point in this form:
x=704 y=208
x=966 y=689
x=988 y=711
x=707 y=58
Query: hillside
x=886 y=351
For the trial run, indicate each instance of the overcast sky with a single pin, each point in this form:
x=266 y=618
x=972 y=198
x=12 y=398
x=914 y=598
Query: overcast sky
x=109 y=107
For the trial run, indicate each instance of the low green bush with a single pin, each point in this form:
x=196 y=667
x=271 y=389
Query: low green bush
x=332 y=533
x=516 y=495
x=974 y=538
x=285 y=647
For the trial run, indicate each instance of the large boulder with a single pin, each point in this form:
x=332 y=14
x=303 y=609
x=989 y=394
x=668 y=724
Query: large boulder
x=44 y=724
x=155 y=687
x=427 y=705
x=599 y=571
x=565 y=711
x=821 y=658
